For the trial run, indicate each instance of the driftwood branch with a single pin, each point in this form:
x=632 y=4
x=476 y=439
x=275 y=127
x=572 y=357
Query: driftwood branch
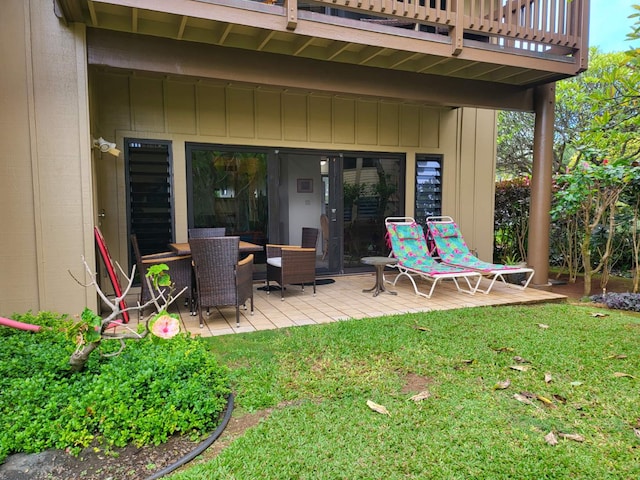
x=159 y=300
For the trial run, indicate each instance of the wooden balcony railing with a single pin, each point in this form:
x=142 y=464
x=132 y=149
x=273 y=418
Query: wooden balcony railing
x=544 y=27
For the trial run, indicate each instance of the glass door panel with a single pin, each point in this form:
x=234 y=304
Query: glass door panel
x=372 y=189
x=228 y=188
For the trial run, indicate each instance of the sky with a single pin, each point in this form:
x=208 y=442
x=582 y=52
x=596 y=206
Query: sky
x=609 y=25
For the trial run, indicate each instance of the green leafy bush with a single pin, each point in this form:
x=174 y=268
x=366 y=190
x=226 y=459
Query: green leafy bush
x=152 y=390
x=511 y=220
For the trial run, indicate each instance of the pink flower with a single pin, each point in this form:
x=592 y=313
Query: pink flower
x=605 y=161
x=166 y=327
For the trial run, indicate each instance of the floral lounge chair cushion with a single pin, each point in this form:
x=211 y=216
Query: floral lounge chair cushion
x=409 y=246
x=452 y=248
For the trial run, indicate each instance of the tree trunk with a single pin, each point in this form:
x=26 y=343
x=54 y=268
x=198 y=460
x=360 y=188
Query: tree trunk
x=79 y=358
x=586 y=260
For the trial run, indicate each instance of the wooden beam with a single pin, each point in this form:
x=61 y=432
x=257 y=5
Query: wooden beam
x=172 y=57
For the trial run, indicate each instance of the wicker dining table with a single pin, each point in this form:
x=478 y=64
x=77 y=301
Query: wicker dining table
x=183 y=248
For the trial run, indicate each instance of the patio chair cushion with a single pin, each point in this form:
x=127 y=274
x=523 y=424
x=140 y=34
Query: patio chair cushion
x=445 y=230
x=409 y=247
x=408 y=231
x=275 y=261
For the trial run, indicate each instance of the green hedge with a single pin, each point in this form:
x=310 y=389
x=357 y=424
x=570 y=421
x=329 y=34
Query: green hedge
x=150 y=391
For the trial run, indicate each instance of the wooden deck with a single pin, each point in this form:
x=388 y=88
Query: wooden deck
x=344 y=300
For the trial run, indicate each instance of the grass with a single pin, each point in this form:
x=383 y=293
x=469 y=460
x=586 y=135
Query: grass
x=319 y=378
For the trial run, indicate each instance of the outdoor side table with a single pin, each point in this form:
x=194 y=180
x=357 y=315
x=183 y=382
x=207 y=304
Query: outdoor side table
x=379 y=263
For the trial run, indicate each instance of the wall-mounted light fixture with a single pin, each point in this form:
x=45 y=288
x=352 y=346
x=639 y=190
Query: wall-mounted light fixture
x=106 y=147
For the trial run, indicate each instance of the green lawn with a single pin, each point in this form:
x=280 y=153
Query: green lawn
x=319 y=379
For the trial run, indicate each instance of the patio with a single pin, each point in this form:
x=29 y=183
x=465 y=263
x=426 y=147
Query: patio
x=345 y=300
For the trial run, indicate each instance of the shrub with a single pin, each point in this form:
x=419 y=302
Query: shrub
x=152 y=390
x=619 y=301
x=511 y=220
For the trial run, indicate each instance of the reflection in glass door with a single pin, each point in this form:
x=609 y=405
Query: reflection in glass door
x=372 y=189
x=228 y=188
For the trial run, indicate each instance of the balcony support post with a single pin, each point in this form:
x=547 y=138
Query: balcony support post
x=539 y=217
x=456 y=32
x=291 y=7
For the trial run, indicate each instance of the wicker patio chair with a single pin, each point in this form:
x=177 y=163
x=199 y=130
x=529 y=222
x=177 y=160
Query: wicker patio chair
x=179 y=271
x=290 y=264
x=324 y=224
x=207 y=232
x=309 y=237
x=221 y=279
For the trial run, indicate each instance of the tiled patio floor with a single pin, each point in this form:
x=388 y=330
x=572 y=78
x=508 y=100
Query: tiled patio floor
x=344 y=300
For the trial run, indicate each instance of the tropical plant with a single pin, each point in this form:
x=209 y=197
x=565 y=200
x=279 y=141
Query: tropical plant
x=91 y=329
x=591 y=193
x=511 y=220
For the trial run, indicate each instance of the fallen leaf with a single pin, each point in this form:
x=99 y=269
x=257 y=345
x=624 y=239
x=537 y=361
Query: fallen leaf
x=571 y=436
x=547 y=378
x=421 y=396
x=543 y=325
x=559 y=398
x=421 y=328
x=377 y=408
x=545 y=401
x=616 y=357
x=523 y=399
x=519 y=359
x=520 y=368
x=466 y=361
x=502 y=349
x=551 y=438
x=576 y=383
x=502 y=385
x=598 y=314
x=620 y=375
x=636 y=432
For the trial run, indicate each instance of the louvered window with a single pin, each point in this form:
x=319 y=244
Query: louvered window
x=428 y=187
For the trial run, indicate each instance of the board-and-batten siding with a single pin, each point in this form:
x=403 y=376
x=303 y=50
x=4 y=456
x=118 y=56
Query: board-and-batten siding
x=186 y=110
x=154 y=105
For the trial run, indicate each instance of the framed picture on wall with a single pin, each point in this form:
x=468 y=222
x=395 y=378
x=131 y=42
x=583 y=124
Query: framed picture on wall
x=305 y=185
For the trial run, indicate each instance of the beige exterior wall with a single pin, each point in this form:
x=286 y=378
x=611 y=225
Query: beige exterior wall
x=53 y=185
x=185 y=110
x=44 y=162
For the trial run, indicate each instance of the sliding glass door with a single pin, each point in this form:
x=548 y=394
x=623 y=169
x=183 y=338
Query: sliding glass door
x=268 y=195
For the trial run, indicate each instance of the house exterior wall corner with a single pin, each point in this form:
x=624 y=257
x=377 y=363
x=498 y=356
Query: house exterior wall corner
x=46 y=178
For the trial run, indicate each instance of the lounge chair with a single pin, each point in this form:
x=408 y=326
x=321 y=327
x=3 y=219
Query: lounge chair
x=450 y=246
x=409 y=247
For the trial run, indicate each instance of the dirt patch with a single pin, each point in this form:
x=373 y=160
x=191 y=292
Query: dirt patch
x=575 y=291
x=415 y=383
